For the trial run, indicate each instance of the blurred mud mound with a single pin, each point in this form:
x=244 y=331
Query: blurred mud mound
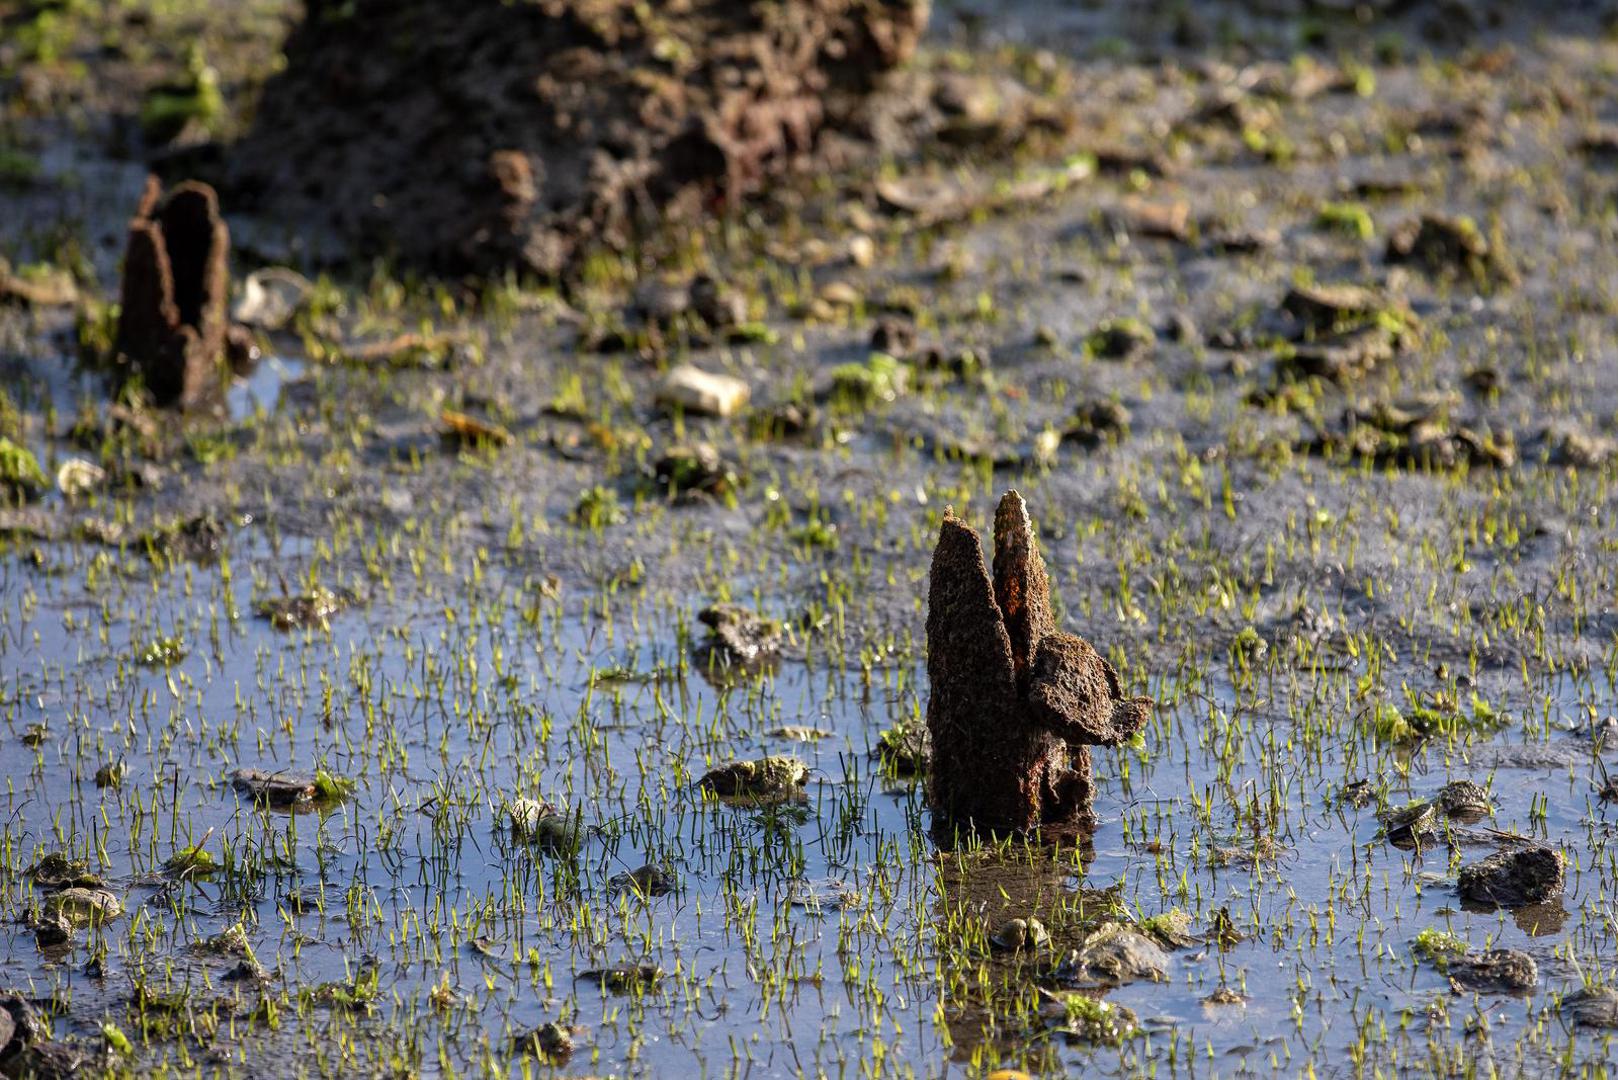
x=490 y=134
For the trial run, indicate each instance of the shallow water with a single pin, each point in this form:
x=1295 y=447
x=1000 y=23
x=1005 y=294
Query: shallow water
x=442 y=714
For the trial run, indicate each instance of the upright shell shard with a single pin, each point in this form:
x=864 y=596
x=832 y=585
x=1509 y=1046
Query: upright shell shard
x=1015 y=703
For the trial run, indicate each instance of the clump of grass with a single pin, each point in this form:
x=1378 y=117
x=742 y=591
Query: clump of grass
x=597 y=508
x=163 y=651
x=859 y=386
x=1438 y=946
x=167 y=110
x=20 y=474
x=1348 y=218
x=331 y=788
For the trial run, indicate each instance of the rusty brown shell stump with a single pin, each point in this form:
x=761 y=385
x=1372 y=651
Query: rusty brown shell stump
x=172 y=322
x=1016 y=704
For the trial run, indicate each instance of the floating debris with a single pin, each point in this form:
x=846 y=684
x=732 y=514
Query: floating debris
x=1015 y=703
x=271 y=297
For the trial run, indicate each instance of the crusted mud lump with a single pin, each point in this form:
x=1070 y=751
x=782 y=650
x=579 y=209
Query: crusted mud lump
x=485 y=135
x=172 y=321
x=1015 y=703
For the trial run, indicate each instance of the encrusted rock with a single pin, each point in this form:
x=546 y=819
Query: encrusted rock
x=1493 y=971
x=1593 y=1006
x=1111 y=956
x=1465 y=800
x=1015 y=703
x=172 y=320
x=1451 y=246
x=770 y=778
x=551 y=1042
x=738 y=636
x=84 y=905
x=1515 y=877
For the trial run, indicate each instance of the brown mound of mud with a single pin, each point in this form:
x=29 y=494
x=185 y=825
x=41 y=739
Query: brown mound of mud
x=487 y=134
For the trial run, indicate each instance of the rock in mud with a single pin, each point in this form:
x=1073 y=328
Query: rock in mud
x=304 y=611
x=489 y=135
x=648 y=880
x=695 y=469
x=1015 y=704
x=57 y=871
x=19 y=1025
x=768 y=778
x=1451 y=247
x=1323 y=308
x=1406 y=826
x=1514 y=878
x=1094 y=422
x=1120 y=339
x=172 y=320
x=1593 y=1006
x=1111 y=956
x=1568 y=444
x=1015 y=935
x=1493 y=971
x=279 y=790
x=46 y=1061
x=703 y=392
x=1349 y=354
x=550 y=1042
x=739 y=637
x=1172 y=930
x=906 y=749
x=622 y=978
x=84 y=905
x=1465 y=800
